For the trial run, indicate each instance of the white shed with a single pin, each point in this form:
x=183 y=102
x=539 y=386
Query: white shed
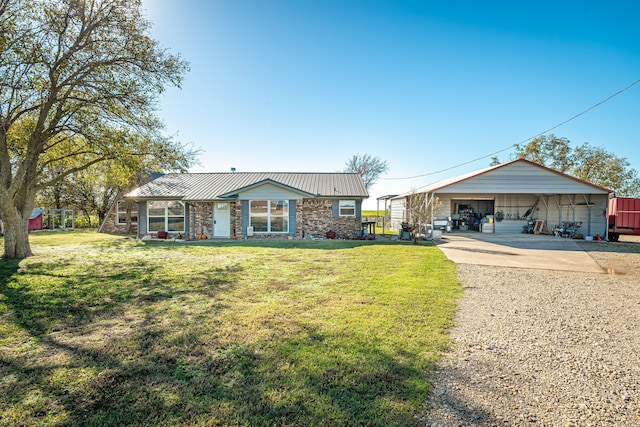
x=506 y=197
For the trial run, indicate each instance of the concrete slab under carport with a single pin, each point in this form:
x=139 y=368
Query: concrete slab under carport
x=517 y=250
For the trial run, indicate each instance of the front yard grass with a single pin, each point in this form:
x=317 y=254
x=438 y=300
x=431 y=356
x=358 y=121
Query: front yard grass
x=98 y=330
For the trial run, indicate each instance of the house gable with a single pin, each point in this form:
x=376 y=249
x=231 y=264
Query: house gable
x=268 y=190
x=517 y=176
x=522 y=176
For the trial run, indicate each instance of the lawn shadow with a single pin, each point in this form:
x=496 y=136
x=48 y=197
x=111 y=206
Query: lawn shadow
x=8 y=267
x=126 y=346
x=101 y=368
x=340 y=379
x=78 y=357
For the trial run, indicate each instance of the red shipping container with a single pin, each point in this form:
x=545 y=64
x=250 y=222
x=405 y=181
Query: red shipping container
x=624 y=217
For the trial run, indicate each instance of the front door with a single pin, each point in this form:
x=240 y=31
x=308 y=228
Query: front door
x=221 y=219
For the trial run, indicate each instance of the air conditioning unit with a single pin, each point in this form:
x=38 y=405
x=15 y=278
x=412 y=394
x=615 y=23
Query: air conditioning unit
x=249 y=231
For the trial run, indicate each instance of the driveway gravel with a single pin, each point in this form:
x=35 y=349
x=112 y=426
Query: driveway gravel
x=544 y=348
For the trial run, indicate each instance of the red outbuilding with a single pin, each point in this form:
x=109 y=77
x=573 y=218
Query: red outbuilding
x=35 y=220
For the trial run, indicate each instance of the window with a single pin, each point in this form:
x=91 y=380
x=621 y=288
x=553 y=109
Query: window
x=167 y=216
x=122 y=213
x=269 y=216
x=347 y=208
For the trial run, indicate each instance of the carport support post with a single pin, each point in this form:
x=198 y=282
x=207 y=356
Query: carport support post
x=589 y=209
x=384 y=214
x=432 y=212
x=572 y=200
x=558 y=203
x=546 y=208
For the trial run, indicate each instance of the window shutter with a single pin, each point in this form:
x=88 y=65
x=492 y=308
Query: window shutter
x=358 y=208
x=187 y=223
x=245 y=216
x=292 y=217
x=335 y=208
x=142 y=218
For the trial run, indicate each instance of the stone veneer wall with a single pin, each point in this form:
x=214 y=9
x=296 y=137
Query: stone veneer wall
x=317 y=219
x=299 y=218
x=202 y=212
x=110 y=225
x=313 y=217
x=235 y=215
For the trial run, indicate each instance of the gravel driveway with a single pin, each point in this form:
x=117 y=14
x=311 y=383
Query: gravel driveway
x=544 y=348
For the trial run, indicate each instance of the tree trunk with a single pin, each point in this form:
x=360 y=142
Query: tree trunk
x=129 y=209
x=16 y=233
x=57 y=195
x=87 y=217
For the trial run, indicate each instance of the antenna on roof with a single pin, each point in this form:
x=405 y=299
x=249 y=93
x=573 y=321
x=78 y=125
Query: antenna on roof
x=233 y=169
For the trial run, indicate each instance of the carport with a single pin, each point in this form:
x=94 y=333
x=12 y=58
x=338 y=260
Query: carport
x=505 y=198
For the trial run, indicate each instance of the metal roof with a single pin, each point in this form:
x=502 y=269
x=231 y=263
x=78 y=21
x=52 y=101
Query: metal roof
x=387 y=197
x=36 y=213
x=212 y=186
x=445 y=183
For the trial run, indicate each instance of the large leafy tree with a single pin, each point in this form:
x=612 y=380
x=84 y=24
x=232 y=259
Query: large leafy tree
x=593 y=164
x=548 y=150
x=603 y=167
x=369 y=167
x=89 y=191
x=79 y=85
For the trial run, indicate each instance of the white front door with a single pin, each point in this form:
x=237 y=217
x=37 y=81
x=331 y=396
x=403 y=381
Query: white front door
x=221 y=219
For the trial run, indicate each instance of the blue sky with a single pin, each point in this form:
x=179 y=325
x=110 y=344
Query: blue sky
x=304 y=85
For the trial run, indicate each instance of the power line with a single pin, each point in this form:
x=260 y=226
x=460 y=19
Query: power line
x=521 y=142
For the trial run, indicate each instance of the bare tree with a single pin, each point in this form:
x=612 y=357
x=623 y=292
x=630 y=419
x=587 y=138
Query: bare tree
x=369 y=167
x=421 y=211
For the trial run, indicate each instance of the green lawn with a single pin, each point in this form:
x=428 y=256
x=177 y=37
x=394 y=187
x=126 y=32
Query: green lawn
x=98 y=330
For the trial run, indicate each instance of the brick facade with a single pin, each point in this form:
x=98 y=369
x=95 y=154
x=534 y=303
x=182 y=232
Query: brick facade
x=200 y=219
x=314 y=217
x=110 y=224
x=236 y=219
x=317 y=218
